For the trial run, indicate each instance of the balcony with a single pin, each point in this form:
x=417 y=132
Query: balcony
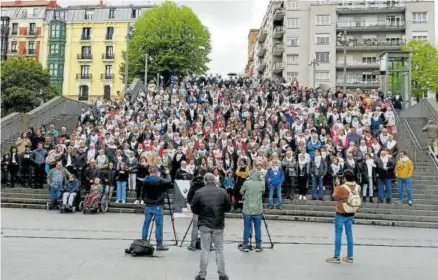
x=372 y=8
x=83 y=76
x=261 y=51
x=278 y=50
x=31 y=33
x=14 y=32
x=278 y=32
x=262 y=36
x=279 y=14
x=370 y=44
x=278 y=67
x=358 y=83
x=29 y=52
x=108 y=56
x=261 y=67
x=376 y=26
x=357 y=65
x=85 y=56
x=85 y=37
x=106 y=76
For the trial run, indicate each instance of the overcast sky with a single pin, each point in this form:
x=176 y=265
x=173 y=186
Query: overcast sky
x=229 y=22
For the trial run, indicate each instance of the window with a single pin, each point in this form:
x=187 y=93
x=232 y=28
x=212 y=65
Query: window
x=291 y=75
x=35 y=12
x=322 y=75
x=86 y=33
x=31 y=45
x=54 y=49
x=32 y=29
x=85 y=70
x=322 y=39
x=393 y=20
x=53 y=69
x=83 y=93
x=109 y=52
x=13 y=46
x=112 y=14
x=421 y=36
x=89 y=14
x=368 y=77
x=55 y=31
x=393 y=41
x=14 y=30
x=293 y=23
x=322 y=20
x=108 y=70
x=59 y=15
x=419 y=17
x=322 y=57
x=292 y=5
x=109 y=33
x=106 y=92
x=292 y=42
x=292 y=59
x=135 y=13
x=320 y=2
x=24 y=13
x=86 y=52
x=369 y=60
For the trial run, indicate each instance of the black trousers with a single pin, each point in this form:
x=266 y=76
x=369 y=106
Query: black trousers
x=237 y=196
x=289 y=187
x=26 y=176
x=13 y=170
x=140 y=190
x=40 y=175
x=302 y=185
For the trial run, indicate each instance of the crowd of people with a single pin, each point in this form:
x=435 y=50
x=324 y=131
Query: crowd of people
x=300 y=140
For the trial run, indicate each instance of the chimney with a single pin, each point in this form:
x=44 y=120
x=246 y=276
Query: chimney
x=52 y=4
x=17 y=2
x=101 y=3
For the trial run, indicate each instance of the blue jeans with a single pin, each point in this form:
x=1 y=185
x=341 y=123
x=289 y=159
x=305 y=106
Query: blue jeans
x=157 y=213
x=54 y=195
x=404 y=182
x=277 y=189
x=317 y=182
x=121 y=190
x=384 y=188
x=247 y=228
x=340 y=222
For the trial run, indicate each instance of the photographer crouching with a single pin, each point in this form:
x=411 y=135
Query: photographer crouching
x=155 y=190
x=252 y=192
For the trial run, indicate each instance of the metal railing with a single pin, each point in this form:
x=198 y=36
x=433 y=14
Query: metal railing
x=278 y=29
x=430 y=109
x=368 y=5
x=371 y=43
x=412 y=135
x=107 y=56
x=358 y=63
x=359 y=82
x=85 y=56
x=371 y=24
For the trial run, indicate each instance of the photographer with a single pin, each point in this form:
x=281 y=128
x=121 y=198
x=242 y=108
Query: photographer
x=252 y=192
x=196 y=184
x=155 y=189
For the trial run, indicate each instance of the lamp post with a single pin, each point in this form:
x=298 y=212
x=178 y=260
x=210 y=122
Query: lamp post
x=314 y=63
x=342 y=39
x=129 y=34
x=146 y=65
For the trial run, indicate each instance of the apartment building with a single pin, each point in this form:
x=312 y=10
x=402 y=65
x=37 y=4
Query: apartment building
x=337 y=43
x=252 y=37
x=85 y=46
x=22 y=24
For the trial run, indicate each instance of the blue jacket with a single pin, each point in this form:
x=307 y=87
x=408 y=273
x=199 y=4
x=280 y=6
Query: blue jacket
x=273 y=179
x=73 y=186
x=375 y=123
x=229 y=183
x=312 y=147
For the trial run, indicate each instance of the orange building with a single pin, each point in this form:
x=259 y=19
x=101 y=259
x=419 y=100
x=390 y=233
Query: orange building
x=252 y=36
x=25 y=30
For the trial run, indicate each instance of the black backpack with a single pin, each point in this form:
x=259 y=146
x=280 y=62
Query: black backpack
x=140 y=248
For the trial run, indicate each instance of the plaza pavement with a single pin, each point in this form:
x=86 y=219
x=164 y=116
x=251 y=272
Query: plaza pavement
x=38 y=244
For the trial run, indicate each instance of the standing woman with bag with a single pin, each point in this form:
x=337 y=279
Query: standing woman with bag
x=303 y=170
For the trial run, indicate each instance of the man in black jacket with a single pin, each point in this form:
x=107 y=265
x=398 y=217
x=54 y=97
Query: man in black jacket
x=155 y=189
x=196 y=184
x=210 y=203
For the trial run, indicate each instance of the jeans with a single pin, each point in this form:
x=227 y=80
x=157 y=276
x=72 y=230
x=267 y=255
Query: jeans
x=157 y=213
x=132 y=181
x=277 y=189
x=381 y=185
x=317 y=191
x=121 y=190
x=368 y=187
x=209 y=235
x=247 y=228
x=404 y=182
x=54 y=195
x=194 y=236
x=340 y=222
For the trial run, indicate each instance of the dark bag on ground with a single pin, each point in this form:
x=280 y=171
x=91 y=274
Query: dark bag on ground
x=140 y=248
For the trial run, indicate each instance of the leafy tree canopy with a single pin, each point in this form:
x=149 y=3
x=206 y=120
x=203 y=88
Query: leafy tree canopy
x=424 y=66
x=24 y=84
x=175 y=39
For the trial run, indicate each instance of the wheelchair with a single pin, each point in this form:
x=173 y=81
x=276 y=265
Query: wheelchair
x=95 y=203
x=78 y=204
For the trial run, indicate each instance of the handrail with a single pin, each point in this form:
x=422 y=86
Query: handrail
x=433 y=158
x=430 y=109
x=397 y=117
x=412 y=135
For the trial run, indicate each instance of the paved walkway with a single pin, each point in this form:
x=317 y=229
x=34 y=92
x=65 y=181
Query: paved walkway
x=48 y=245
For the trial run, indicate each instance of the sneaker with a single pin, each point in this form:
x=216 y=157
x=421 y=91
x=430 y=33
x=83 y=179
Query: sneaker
x=211 y=248
x=304 y=197
x=399 y=202
x=333 y=260
x=313 y=198
x=162 y=248
x=136 y=202
x=191 y=248
x=245 y=249
x=142 y=202
x=225 y=277
x=123 y=201
x=379 y=200
x=347 y=259
x=271 y=207
x=388 y=200
x=258 y=248
x=321 y=198
x=117 y=201
x=410 y=202
x=364 y=199
x=280 y=208
x=199 y=278
x=300 y=197
x=371 y=199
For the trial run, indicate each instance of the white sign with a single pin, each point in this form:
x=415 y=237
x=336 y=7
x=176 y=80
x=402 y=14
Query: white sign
x=183 y=186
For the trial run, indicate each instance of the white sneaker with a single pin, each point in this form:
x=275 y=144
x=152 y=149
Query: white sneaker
x=300 y=197
x=136 y=202
x=117 y=201
x=304 y=197
x=123 y=201
x=142 y=202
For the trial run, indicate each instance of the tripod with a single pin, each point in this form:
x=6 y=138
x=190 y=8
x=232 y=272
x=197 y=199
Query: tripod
x=171 y=218
x=250 y=247
x=187 y=231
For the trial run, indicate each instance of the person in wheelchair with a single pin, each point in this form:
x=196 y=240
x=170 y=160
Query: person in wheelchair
x=70 y=193
x=92 y=200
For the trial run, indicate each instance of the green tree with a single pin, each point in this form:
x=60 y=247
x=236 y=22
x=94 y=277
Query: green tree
x=174 y=38
x=24 y=84
x=424 y=67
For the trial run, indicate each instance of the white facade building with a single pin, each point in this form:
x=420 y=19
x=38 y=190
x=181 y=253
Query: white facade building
x=336 y=36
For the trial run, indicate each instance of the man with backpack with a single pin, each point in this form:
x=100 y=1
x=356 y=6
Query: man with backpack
x=348 y=200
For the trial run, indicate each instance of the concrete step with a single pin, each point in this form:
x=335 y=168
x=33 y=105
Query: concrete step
x=21 y=205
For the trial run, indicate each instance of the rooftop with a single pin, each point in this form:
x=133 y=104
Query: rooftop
x=34 y=3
